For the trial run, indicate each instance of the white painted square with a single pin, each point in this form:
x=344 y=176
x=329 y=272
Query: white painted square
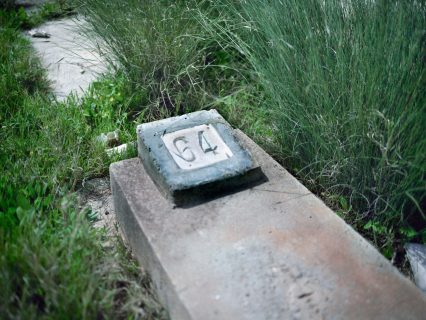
x=196 y=147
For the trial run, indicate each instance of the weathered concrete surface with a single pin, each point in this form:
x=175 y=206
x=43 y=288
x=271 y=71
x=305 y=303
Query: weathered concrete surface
x=174 y=155
x=274 y=251
x=69 y=57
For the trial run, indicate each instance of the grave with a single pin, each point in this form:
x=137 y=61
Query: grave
x=266 y=248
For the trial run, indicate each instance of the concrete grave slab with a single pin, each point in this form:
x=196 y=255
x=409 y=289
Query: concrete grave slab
x=274 y=251
x=195 y=155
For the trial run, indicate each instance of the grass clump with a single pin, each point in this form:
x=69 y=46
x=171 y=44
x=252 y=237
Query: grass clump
x=53 y=263
x=172 y=65
x=345 y=82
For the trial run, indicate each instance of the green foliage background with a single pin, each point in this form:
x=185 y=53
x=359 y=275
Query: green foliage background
x=53 y=263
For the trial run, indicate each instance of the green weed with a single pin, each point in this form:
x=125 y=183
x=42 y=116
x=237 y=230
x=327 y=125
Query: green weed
x=344 y=83
x=163 y=53
x=53 y=263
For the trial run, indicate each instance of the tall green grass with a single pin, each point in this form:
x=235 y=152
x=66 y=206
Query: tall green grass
x=339 y=83
x=346 y=82
x=53 y=263
x=174 y=66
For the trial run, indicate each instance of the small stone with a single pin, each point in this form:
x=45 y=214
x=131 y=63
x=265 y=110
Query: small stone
x=38 y=33
x=102 y=138
x=109 y=139
x=120 y=149
x=416 y=254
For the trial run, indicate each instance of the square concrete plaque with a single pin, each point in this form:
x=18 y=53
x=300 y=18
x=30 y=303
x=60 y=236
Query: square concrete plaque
x=195 y=156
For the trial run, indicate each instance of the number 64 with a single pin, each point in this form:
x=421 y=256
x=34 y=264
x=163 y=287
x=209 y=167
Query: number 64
x=184 y=152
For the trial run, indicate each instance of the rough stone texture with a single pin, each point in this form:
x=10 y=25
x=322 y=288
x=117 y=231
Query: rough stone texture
x=273 y=251
x=69 y=57
x=416 y=254
x=163 y=145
